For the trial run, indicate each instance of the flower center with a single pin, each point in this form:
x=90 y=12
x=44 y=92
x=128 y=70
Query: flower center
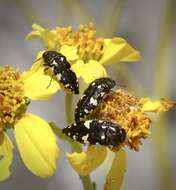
x=85 y=40
x=12 y=101
x=123 y=108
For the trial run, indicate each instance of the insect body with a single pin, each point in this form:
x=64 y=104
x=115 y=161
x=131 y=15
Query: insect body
x=61 y=69
x=96 y=132
x=92 y=96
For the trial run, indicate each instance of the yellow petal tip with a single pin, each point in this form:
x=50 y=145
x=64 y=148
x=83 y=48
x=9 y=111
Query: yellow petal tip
x=86 y=162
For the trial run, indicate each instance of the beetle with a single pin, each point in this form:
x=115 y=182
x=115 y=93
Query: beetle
x=92 y=96
x=61 y=69
x=93 y=132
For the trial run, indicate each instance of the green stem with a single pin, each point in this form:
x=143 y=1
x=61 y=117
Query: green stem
x=69 y=108
x=86 y=181
x=160 y=135
x=76 y=147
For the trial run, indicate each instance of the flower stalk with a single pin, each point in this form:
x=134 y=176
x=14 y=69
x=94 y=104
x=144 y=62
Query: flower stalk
x=76 y=147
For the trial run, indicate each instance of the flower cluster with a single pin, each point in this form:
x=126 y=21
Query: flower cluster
x=87 y=55
x=86 y=52
x=12 y=100
x=30 y=130
x=131 y=114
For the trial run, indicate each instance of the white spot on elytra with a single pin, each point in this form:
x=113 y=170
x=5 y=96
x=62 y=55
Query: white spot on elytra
x=103 y=127
x=67 y=85
x=74 y=137
x=84 y=138
x=61 y=58
x=54 y=63
x=113 y=129
x=99 y=86
x=93 y=101
x=102 y=137
x=86 y=111
x=102 y=94
x=59 y=76
x=87 y=124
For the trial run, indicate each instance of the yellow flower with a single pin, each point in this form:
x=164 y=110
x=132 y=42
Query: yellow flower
x=85 y=162
x=86 y=52
x=35 y=139
x=131 y=114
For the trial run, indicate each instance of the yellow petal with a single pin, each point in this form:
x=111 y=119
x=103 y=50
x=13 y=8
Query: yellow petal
x=47 y=36
x=35 y=66
x=117 y=49
x=92 y=70
x=162 y=105
x=6 y=156
x=36 y=83
x=115 y=177
x=37 y=31
x=86 y=162
x=38 y=27
x=70 y=52
x=78 y=67
x=37 y=145
x=32 y=35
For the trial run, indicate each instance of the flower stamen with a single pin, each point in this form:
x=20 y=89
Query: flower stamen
x=12 y=100
x=85 y=40
x=123 y=108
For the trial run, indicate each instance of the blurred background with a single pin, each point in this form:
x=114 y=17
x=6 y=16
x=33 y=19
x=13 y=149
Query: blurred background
x=150 y=26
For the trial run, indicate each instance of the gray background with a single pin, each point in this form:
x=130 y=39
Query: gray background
x=139 y=22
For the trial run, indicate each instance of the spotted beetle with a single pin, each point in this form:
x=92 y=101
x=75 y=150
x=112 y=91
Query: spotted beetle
x=61 y=69
x=93 y=132
x=92 y=96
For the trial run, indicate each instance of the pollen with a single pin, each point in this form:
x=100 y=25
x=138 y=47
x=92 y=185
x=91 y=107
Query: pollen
x=12 y=101
x=124 y=109
x=88 y=45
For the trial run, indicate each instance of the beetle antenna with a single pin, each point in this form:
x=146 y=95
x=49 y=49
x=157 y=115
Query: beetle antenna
x=38 y=59
x=122 y=86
